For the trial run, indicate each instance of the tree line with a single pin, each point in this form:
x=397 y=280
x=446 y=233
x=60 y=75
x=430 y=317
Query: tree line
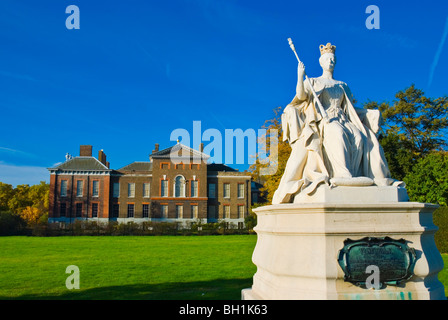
x=23 y=206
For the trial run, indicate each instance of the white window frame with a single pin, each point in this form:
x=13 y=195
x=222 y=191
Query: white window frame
x=146 y=190
x=64 y=184
x=179 y=211
x=194 y=189
x=241 y=194
x=143 y=210
x=226 y=212
x=195 y=211
x=130 y=205
x=78 y=184
x=241 y=211
x=131 y=190
x=179 y=186
x=95 y=190
x=226 y=190
x=163 y=211
x=164 y=188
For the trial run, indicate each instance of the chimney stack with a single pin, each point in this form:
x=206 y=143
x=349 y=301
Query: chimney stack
x=156 y=148
x=85 y=151
x=102 y=157
x=201 y=147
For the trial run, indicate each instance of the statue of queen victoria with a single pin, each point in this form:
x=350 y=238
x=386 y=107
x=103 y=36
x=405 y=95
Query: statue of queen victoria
x=336 y=146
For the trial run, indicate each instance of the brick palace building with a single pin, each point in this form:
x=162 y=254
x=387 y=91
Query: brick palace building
x=185 y=190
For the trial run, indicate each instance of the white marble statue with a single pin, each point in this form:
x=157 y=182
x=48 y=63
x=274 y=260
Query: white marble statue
x=337 y=145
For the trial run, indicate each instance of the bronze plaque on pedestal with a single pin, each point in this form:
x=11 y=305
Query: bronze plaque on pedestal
x=393 y=259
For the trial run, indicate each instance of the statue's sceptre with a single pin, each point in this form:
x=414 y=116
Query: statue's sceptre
x=319 y=104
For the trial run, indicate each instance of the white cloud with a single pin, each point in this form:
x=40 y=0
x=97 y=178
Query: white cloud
x=17 y=152
x=438 y=53
x=16 y=175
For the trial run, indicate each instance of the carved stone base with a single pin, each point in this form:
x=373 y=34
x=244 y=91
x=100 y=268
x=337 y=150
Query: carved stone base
x=345 y=194
x=298 y=247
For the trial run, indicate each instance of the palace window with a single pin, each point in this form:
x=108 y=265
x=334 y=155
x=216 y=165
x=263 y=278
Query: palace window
x=179 y=211
x=212 y=190
x=227 y=190
x=146 y=192
x=95 y=188
x=194 y=188
x=194 y=211
x=79 y=187
x=130 y=210
x=241 y=211
x=164 y=188
x=63 y=188
x=145 y=210
x=131 y=190
x=226 y=212
x=179 y=186
x=240 y=190
x=164 y=209
x=116 y=190
x=164 y=165
x=94 y=210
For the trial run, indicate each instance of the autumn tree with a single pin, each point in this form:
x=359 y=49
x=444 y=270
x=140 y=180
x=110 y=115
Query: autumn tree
x=6 y=193
x=23 y=203
x=268 y=169
x=31 y=215
x=39 y=195
x=20 y=199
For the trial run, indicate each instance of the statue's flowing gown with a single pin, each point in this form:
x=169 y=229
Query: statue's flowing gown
x=345 y=146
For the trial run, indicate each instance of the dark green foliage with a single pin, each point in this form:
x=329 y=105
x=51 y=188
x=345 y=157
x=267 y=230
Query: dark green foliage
x=150 y=228
x=11 y=224
x=428 y=180
x=440 y=218
x=414 y=126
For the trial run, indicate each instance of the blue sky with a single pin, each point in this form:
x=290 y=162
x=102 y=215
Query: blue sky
x=137 y=70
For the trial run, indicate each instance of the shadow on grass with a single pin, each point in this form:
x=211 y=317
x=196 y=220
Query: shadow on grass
x=220 y=289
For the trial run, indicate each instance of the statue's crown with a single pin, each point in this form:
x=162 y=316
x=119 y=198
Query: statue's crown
x=329 y=48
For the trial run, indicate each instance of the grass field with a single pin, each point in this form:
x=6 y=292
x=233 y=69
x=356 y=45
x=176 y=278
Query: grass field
x=166 y=267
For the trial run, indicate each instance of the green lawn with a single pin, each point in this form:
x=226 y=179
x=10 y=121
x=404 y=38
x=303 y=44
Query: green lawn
x=443 y=275
x=168 y=267
x=165 y=267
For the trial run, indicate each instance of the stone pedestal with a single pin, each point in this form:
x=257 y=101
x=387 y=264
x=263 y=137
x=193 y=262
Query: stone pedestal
x=298 y=246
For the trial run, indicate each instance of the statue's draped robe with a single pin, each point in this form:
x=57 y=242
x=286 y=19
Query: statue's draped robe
x=303 y=129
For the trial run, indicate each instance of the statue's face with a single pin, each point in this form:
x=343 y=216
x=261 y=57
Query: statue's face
x=327 y=61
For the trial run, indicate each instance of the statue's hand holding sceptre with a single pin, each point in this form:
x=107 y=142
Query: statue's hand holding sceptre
x=300 y=89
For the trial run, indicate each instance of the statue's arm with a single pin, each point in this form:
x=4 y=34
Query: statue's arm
x=300 y=89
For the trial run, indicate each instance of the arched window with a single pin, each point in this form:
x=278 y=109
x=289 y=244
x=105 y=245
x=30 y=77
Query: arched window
x=179 y=186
